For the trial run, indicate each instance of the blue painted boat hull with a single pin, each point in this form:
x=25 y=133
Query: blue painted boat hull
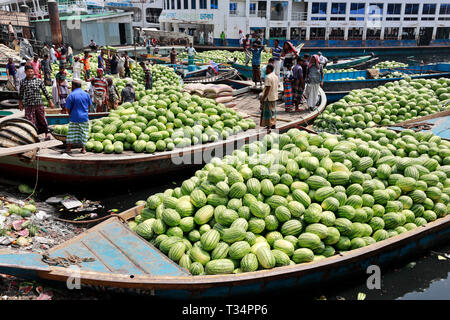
x=336 y=89
x=127 y=262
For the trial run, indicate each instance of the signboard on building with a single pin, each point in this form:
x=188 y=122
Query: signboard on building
x=18 y=19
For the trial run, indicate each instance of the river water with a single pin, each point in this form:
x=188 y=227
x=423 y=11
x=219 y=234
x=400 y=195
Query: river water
x=425 y=277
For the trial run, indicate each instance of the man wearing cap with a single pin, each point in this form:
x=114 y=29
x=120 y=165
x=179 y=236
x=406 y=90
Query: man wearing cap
x=323 y=60
x=30 y=99
x=128 y=94
x=100 y=91
x=77 y=104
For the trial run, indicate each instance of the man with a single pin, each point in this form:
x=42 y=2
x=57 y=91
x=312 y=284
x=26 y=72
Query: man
x=45 y=50
x=246 y=43
x=241 y=37
x=21 y=74
x=93 y=46
x=256 y=62
x=11 y=31
x=268 y=99
x=77 y=67
x=36 y=66
x=62 y=89
x=46 y=68
x=148 y=45
x=11 y=71
x=101 y=61
x=202 y=38
x=53 y=54
x=211 y=38
x=128 y=94
x=147 y=76
x=87 y=68
x=78 y=103
x=323 y=60
x=63 y=52
x=210 y=72
x=222 y=38
x=299 y=84
x=69 y=54
x=305 y=65
x=276 y=55
x=173 y=56
x=30 y=99
x=100 y=91
x=126 y=64
x=191 y=54
x=114 y=65
x=314 y=80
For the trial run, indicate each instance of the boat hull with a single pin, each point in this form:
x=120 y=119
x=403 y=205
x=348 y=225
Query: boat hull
x=170 y=282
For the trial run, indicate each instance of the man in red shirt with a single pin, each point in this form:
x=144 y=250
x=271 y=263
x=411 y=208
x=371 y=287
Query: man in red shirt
x=100 y=91
x=246 y=45
x=36 y=66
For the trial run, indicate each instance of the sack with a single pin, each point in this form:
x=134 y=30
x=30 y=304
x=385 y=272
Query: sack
x=230 y=104
x=224 y=99
x=225 y=94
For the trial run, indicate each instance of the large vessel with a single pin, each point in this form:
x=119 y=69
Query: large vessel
x=325 y=24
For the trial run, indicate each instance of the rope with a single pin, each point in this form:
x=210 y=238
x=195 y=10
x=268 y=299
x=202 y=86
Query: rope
x=70 y=259
x=37 y=176
x=91 y=221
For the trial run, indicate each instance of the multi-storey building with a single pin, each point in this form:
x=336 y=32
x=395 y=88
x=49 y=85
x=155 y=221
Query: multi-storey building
x=319 y=22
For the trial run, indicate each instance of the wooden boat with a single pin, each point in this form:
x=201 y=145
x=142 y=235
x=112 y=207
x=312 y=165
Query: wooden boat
x=336 y=89
x=349 y=62
x=53 y=117
x=224 y=74
x=55 y=166
x=122 y=260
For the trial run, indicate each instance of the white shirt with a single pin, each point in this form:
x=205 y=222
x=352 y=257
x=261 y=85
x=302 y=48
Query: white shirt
x=323 y=60
x=76 y=69
x=52 y=53
x=191 y=51
x=69 y=50
x=20 y=76
x=241 y=38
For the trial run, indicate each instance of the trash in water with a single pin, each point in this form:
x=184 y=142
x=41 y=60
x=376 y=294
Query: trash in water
x=71 y=203
x=23 y=188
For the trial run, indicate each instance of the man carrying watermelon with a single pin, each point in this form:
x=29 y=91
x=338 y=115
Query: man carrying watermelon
x=77 y=104
x=147 y=76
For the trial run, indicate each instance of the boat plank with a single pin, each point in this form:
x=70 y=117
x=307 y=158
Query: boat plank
x=29 y=147
x=140 y=252
x=23 y=261
x=109 y=254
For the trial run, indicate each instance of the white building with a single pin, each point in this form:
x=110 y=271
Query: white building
x=145 y=12
x=315 y=22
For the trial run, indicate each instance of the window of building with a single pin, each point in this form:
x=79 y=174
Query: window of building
x=443 y=33
x=202 y=4
x=178 y=4
x=357 y=8
x=173 y=5
x=412 y=8
x=355 y=33
x=356 y=18
x=214 y=4
x=278 y=33
x=186 y=4
x=252 y=8
x=392 y=19
x=409 y=34
x=317 y=34
x=279 y=10
x=233 y=8
x=373 y=34
x=298 y=33
x=410 y=19
x=391 y=33
x=444 y=8
x=152 y=15
x=193 y=4
x=336 y=34
x=168 y=4
x=319 y=8
x=337 y=18
x=376 y=9
x=318 y=18
x=394 y=8
x=338 y=8
x=429 y=8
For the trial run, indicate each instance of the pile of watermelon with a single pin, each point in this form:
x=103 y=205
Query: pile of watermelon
x=392 y=103
x=163 y=119
x=297 y=197
x=223 y=56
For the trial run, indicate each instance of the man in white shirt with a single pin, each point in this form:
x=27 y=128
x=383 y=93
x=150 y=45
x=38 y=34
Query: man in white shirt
x=53 y=54
x=241 y=37
x=269 y=98
x=21 y=74
x=211 y=38
x=323 y=60
x=191 y=54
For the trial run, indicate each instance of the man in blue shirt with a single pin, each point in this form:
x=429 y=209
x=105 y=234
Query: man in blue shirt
x=276 y=54
x=77 y=104
x=256 y=62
